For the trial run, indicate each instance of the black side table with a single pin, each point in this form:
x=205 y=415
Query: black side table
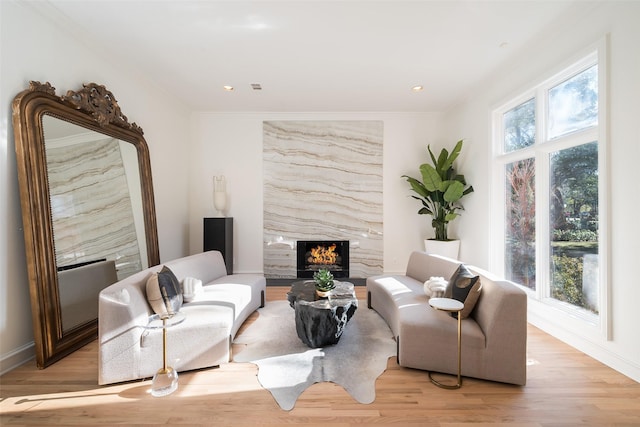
x=218 y=236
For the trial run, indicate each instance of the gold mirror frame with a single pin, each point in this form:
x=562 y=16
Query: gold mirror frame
x=93 y=107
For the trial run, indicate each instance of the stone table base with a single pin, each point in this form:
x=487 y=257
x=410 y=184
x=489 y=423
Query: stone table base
x=321 y=321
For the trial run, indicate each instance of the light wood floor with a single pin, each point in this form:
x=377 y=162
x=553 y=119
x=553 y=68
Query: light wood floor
x=564 y=387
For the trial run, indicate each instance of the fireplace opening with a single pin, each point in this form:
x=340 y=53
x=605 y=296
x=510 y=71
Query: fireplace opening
x=313 y=255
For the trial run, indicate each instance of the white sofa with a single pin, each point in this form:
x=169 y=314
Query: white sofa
x=128 y=351
x=494 y=336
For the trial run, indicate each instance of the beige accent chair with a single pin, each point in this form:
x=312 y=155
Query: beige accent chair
x=129 y=351
x=494 y=336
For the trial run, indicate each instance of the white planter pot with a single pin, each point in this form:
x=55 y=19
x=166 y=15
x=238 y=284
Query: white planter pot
x=449 y=248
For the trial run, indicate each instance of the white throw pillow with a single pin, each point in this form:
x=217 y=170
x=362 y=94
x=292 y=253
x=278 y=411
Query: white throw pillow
x=435 y=287
x=190 y=288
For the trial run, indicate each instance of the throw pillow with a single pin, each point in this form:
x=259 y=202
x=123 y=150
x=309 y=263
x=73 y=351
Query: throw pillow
x=464 y=287
x=163 y=292
x=435 y=287
x=190 y=288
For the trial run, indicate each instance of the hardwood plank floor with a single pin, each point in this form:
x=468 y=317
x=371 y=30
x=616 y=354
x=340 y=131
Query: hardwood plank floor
x=564 y=388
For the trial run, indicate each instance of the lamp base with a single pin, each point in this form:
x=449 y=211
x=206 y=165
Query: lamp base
x=165 y=382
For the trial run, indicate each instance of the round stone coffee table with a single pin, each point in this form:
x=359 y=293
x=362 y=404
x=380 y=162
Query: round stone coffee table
x=321 y=321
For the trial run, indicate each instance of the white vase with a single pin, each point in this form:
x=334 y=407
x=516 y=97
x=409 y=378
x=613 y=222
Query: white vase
x=448 y=248
x=220 y=195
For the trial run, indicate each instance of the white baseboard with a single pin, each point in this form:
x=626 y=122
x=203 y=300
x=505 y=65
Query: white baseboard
x=16 y=357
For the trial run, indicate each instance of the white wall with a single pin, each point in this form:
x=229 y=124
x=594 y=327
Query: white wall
x=536 y=62
x=230 y=144
x=32 y=48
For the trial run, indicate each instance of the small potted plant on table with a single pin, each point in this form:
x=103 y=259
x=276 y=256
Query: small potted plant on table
x=324 y=283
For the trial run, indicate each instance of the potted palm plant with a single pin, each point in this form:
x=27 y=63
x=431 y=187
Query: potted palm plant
x=439 y=190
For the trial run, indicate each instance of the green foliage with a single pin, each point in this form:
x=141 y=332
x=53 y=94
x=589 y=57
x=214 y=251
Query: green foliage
x=520 y=126
x=567 y=280
x=575 y=236
x=439 y=189
x=574 y=187
x=323 y=280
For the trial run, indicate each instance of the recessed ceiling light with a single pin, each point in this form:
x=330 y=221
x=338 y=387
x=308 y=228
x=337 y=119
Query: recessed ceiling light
x=417 y=88
x=227 y=88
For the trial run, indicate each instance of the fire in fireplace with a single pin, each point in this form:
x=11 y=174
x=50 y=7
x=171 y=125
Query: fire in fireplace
x=312 y=255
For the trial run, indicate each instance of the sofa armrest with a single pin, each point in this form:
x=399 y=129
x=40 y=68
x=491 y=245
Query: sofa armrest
x=123 y=310
x=501 y=309
x=501 y=313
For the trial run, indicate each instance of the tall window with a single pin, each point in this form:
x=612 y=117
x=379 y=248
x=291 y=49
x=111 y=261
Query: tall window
x=549 y=155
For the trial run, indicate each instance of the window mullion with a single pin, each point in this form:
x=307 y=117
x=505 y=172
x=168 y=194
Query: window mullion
x=541 y=115
x=542 y=197
x=542 y=225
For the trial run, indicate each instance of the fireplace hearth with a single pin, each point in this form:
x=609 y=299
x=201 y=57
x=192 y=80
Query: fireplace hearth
x=313 y=255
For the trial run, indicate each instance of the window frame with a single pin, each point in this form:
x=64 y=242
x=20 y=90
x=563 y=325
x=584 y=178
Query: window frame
x=561 y=314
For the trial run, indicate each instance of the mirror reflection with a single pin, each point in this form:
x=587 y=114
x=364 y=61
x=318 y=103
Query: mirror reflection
x=96 y=213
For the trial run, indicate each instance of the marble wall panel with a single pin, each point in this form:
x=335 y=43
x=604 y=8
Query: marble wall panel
x=322 y=181
x=91 y=208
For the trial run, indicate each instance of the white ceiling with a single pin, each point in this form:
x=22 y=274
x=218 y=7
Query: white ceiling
x=311 y=55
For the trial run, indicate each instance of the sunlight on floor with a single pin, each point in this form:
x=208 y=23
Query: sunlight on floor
x=196 y=383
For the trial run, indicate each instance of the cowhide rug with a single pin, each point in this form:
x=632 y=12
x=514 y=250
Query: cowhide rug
x=286 y=366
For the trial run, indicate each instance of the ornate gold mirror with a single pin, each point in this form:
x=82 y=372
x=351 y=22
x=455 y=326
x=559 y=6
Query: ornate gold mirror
x=87 y=208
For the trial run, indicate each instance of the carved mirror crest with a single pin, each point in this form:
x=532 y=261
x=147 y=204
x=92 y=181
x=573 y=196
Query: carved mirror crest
x=87 y=208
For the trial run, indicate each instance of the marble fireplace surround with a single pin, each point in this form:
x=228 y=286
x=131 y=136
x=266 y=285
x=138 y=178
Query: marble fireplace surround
x=322 y=181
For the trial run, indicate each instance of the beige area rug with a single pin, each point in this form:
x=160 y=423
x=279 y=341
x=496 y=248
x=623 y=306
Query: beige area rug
x=286 y=366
